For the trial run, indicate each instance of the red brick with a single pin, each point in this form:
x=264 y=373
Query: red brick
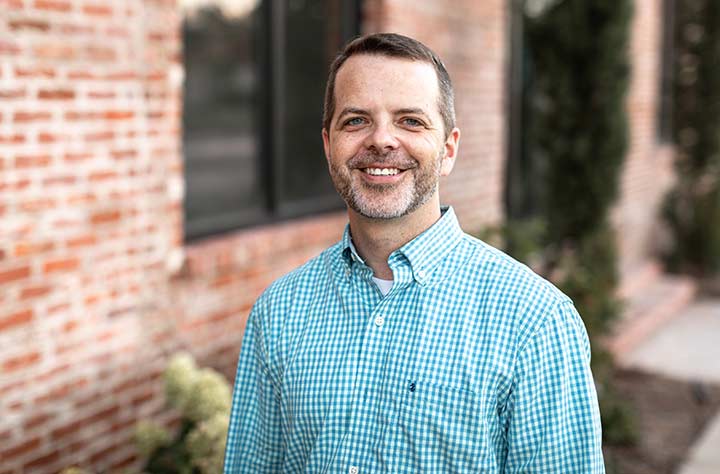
x=18 y=93
x=45 y=137
x=21 y=362
x=123 y=154
x=75 y=75
x=82 y=241
x=10 y=48
x=23 y=249
x=34 y=292
x=104 y=217
x=28 y=24
x=102 y=176
x=77 y=29
x=100 y=53
x=73 y=427
x=32 y=161
x=118 y=114
x=26 y=446
x=100 y=136
x=37 y=419
x=33 y=72
x=15 y=138
x=97 y=9
x=56 y=94
x=102 y=95
x=37 y=205
x=45 y=460
x=20 y=117
x=59 y=180
x=61 y=265
x=16 y=319
x=54 y=5
x=55 y=51
x=14 y=274
x=75 y=157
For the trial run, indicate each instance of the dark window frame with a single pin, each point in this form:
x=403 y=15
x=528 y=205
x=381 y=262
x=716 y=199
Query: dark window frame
x=272 y=118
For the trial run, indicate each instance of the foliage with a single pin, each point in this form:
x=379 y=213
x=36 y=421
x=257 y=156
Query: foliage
x=202 y=397
x=577 y=73
x=692 y=208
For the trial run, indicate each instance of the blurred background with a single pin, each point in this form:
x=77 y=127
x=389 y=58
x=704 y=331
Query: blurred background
x=161 y=164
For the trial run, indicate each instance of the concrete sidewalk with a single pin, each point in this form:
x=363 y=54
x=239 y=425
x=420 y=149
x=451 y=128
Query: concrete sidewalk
x=688 y=348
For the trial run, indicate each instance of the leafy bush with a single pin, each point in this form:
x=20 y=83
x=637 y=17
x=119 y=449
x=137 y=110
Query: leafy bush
x=692 y=208
x=203 y=397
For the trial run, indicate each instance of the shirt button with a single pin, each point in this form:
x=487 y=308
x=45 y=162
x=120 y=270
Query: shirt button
x=353 y=470
x=420 y=274
x=379 y=321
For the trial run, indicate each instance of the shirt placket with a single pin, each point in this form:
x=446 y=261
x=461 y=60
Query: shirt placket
x=365 y=427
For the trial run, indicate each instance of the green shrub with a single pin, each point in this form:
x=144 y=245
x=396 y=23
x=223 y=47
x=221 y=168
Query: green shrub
x=202 y=397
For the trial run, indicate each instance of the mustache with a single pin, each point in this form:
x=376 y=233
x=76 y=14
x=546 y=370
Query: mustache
x=390 y=160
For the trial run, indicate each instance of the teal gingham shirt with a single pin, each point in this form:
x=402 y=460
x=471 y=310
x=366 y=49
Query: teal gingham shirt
x=472 y=363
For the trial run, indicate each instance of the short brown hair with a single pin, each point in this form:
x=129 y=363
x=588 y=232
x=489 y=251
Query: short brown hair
x=396 y=46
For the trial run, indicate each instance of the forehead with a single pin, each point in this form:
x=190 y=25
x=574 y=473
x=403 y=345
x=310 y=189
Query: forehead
x=373 y=80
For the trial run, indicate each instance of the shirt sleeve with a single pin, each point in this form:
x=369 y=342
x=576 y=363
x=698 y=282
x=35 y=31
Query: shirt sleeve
x=254 y=432
x=554 y=420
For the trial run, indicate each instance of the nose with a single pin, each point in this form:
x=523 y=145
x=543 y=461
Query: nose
x=381 y=137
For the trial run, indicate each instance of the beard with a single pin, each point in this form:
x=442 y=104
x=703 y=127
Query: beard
x=386 y=201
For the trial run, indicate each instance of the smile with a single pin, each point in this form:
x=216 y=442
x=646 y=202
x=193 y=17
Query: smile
x=381 y=171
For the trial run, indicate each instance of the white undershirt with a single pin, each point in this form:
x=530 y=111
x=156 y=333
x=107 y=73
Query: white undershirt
x=383 y=285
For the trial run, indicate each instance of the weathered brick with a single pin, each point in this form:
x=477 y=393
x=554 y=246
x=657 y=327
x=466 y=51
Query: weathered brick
x=13 y=320
x=21 y=117
x=32 y=161
x=26 y=446
x=61 y=265
x=21 y=362
x=56 y=94
x=53 y=5
x=14 y=274
x=106 y=217
x=42 y=461
x=24 y=249
x=29 y=24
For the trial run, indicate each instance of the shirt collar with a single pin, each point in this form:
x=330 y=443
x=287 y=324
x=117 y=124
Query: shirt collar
x=424 y=252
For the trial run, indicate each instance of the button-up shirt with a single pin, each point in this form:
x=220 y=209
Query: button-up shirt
x=471 y=363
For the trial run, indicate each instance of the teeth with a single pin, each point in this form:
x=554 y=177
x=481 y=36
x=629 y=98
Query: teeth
x=382 y=171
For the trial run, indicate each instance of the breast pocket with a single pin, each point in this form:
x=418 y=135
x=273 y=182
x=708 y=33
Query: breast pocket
x=439 y=429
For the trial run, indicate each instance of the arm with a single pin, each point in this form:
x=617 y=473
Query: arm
x=254 y=434
x=554 y=421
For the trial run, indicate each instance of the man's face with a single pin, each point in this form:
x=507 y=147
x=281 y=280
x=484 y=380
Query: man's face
x=386 y=147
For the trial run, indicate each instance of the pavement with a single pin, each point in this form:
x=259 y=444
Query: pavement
x=688 y=348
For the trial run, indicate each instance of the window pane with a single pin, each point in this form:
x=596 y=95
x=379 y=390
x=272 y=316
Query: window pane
x=312 y=40
x=221 y=104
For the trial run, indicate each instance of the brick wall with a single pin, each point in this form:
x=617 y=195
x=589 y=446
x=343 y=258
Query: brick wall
x=647 y=172
x=90 y=224
x=96 y=286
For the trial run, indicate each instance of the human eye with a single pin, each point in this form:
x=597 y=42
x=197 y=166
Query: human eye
x=412 y=122
x=354 y=122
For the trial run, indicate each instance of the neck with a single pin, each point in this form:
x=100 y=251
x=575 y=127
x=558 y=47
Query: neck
x=376 y=239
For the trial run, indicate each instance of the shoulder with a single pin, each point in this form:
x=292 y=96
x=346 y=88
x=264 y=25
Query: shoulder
x=516 y=294
x=300 y=282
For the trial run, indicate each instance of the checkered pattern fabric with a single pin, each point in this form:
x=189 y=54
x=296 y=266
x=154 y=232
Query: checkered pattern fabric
x=471 y=363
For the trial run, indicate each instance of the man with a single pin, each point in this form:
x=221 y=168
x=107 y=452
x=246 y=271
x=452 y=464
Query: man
x=409 y=346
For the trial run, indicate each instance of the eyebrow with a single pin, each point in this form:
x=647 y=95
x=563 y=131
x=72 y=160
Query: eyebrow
x=407 y=110
x=352 y=110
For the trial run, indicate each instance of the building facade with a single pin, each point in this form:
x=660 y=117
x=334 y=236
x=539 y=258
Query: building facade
x=107 y=266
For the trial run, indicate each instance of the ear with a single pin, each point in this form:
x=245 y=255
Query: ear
x=326 y=143
x=451 y=149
